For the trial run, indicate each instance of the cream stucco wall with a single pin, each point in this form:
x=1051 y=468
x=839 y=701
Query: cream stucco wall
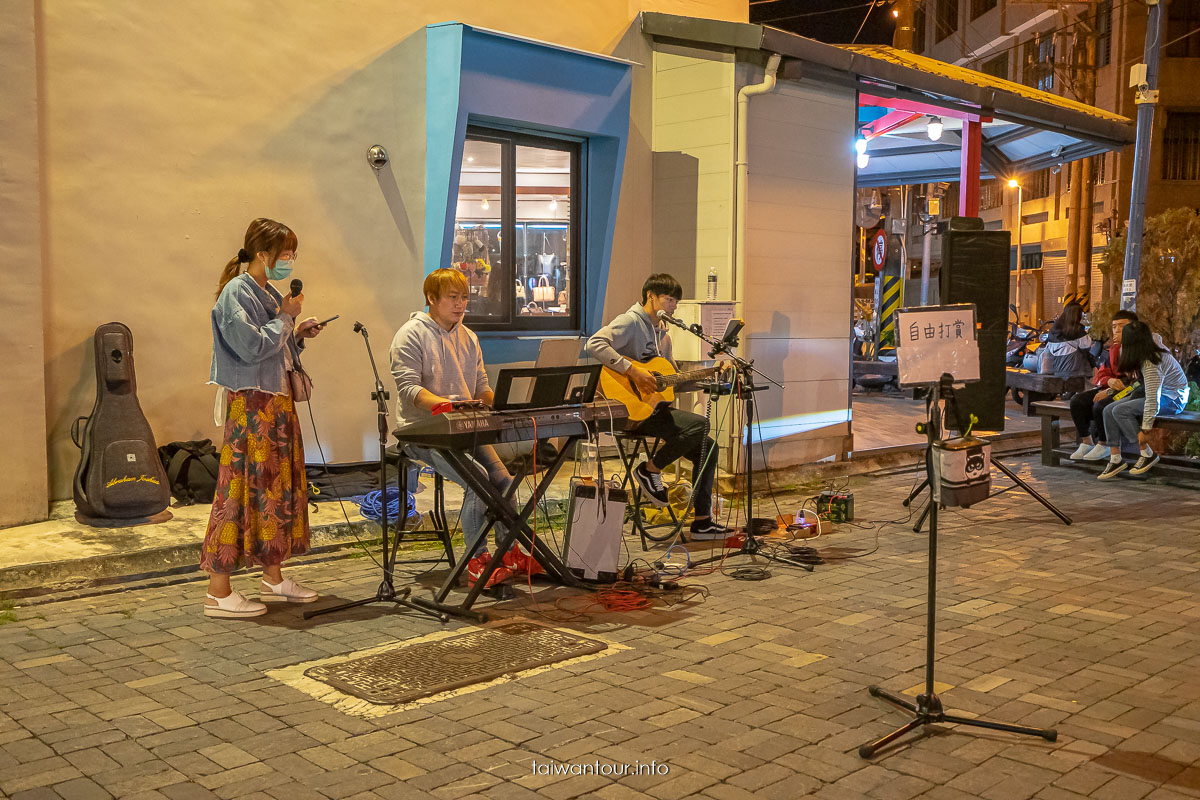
x=162 y=135
x=23 y=490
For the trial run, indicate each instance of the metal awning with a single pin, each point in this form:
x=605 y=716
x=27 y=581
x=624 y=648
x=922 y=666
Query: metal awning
x=1023 y=129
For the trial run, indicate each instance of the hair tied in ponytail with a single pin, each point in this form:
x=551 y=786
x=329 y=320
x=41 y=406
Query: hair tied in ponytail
x=243 y=257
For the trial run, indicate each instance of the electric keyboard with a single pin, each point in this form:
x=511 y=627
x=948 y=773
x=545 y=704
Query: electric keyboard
x=467 y=429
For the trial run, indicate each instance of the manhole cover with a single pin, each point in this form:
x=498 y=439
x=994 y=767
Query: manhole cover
x=409 y=672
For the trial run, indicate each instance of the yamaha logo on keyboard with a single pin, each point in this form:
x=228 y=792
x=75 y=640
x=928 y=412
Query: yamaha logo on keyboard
x=470 y=424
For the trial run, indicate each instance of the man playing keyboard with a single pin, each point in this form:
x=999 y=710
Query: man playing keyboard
x=437 y=360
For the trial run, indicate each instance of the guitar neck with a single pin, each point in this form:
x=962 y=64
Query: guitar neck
x=687 y=377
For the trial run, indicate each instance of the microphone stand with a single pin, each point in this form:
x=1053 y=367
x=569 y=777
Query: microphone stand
x=745 y=393
x=386 y=592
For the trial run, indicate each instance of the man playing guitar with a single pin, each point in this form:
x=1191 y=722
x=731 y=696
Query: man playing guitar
x=639 y=335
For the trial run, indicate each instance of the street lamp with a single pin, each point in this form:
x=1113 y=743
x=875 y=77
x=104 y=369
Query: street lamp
x=1014 y=184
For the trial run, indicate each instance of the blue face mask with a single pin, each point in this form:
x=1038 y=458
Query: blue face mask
x=280 y=271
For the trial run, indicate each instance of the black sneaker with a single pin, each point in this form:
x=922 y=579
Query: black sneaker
x=652 y=485
x=1112 y=469
x=707 y=530
x=1144 y=463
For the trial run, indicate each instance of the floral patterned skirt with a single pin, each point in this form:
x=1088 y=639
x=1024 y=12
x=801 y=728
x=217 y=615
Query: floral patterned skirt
x=260 y=510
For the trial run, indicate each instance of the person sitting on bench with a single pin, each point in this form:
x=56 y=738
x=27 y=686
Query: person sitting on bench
x=1087 y=408
x=1166 y=389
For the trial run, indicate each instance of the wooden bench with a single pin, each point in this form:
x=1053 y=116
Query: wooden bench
x=1028 y=387
x=1176 y=438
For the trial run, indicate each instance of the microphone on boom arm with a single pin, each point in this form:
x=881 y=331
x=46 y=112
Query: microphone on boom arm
x=694 y=328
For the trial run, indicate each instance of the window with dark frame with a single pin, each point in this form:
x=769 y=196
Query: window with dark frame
x=1183 y=29
x=1104 y=12
x=981 y=7
x=517 y=231
x=997 y=67
x=1036 y=185
x=919 y=30
x=1181 y=146
x=945 y=19
x=1038 y=63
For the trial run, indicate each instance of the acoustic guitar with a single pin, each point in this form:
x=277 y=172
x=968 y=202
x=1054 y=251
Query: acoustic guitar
x=621 y=388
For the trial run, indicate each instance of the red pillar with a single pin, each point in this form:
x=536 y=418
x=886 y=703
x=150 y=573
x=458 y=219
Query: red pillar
x=968 y=169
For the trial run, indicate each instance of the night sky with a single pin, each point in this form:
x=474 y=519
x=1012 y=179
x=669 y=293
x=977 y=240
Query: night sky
x=833 y=21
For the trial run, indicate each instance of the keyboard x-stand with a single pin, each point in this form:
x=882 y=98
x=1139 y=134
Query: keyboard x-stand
x=456 y=434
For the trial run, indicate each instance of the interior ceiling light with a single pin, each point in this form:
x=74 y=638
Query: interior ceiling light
x=935 y=128
x=484 y=204
x=470 y=159
x=863 y=160
x=553 y=203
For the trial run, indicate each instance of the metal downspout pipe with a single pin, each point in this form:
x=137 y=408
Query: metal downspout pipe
x=742 y=164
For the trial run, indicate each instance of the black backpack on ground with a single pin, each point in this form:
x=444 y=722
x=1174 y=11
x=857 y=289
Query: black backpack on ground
x=191 y=470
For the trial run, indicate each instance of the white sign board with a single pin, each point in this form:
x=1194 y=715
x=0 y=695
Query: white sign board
x=933 y=340
x=1129 y=287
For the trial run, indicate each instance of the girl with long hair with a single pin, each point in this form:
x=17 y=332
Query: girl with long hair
x=1166 y=392
x=1068 y=344
x=260 y=510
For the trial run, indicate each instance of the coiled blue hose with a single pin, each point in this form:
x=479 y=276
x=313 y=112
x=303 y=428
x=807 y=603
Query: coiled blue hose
x=371 y=505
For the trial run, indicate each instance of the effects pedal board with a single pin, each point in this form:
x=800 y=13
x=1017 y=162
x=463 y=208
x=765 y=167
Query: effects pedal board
x=836 y=506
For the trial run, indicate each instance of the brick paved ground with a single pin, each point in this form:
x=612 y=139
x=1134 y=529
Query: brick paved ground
x=757 y=692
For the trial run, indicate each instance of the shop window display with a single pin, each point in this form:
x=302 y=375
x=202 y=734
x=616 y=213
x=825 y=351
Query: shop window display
x=515 y=231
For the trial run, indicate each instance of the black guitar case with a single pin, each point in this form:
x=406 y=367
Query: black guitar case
x=120 y=476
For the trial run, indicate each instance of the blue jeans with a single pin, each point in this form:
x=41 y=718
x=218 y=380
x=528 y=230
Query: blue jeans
x=1124 y=418
x=471 y=517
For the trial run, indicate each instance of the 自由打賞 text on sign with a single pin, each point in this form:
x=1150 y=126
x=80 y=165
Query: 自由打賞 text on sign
x=934 y=340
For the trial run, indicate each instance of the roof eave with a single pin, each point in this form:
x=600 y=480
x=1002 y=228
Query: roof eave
x=749 y=36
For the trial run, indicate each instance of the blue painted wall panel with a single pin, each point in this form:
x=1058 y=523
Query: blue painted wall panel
x=475 y=76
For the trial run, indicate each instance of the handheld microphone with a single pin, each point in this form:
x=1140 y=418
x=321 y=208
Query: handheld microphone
x=297 y=286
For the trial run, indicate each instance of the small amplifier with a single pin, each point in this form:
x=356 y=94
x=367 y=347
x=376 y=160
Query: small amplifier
x=836 y=506
x=592 y=541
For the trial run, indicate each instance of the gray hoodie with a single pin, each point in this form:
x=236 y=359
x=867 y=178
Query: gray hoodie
x=448 y=363
x=632 y=336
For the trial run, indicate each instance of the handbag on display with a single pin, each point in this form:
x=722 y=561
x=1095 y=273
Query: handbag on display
x=543 y=292
x=521 y=295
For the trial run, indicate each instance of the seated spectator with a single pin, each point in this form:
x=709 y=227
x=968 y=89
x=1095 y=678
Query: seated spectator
x=1067 y=353
x=1087 y=408
x=1166 y=390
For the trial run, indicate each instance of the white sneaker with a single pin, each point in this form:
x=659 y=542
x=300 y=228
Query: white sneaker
x=1097 y=453
x=1083 y=448
x=234 y=605
x=286 y=592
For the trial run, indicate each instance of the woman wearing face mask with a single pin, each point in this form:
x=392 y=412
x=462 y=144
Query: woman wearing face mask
x=260 y=510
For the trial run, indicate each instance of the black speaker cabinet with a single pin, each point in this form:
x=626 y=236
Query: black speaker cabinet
x=975 y=270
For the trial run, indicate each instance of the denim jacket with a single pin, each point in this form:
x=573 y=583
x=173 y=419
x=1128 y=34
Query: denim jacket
x=250 y=337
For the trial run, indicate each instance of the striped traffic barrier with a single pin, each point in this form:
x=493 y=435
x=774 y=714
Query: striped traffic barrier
x=891 y=304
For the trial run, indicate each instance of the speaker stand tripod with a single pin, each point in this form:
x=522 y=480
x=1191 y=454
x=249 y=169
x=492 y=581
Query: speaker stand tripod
x=952 y=406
